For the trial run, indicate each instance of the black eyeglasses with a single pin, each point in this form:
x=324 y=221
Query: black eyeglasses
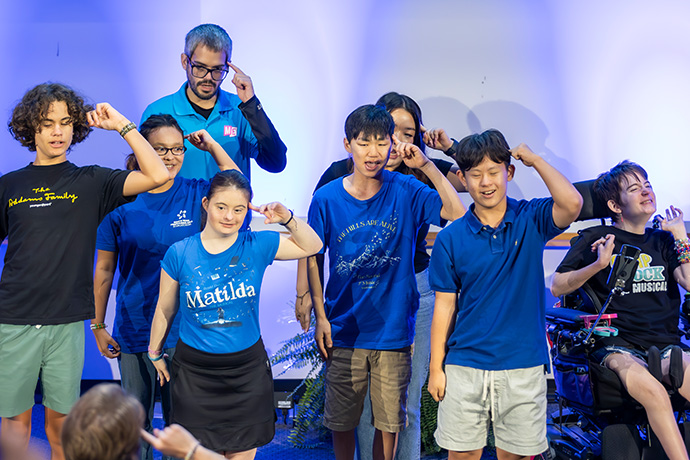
x=200 y=71
x=163 y=151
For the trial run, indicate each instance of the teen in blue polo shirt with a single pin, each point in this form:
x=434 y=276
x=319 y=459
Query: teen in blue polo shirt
x=487 y=271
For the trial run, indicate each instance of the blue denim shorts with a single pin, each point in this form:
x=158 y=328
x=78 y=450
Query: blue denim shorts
x=618 y=345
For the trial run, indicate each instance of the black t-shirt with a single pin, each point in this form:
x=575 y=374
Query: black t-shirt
x=341 y=168
x=648 y=315
x=49 y=215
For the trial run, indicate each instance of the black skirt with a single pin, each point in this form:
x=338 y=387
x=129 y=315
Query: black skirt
x=225 y=400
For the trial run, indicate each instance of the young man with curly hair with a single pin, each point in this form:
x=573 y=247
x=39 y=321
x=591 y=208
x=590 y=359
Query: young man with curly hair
x=49 y=212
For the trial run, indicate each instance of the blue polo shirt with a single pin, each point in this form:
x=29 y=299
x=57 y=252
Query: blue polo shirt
x=226 y=124
x=499 y=277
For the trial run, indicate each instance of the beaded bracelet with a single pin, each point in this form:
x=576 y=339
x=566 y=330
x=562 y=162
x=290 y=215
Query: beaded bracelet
x=683 y=250
x=127 y=128
x=190 y=454
x=95 y=326
x=290 y=219
x=155 y=358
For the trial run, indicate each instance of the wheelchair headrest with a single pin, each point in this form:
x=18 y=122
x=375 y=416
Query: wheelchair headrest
x=592 y=207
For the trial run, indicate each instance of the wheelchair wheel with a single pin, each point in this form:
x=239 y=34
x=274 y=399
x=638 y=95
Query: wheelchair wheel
x=620 y=442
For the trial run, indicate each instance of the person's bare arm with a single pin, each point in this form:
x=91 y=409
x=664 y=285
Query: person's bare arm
x=153 y=172
x=303 y=303
x=168 y=303
x=322 y=332
x=104 y=273
x=567 y=201
x=567 y=282
x=441 y=328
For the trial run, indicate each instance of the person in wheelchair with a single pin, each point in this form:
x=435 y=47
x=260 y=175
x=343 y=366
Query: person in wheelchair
x=648 y=315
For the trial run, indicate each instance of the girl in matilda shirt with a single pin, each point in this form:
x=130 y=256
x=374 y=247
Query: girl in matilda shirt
x=223 y=384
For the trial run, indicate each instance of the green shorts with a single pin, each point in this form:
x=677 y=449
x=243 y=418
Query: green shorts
x=55 y=353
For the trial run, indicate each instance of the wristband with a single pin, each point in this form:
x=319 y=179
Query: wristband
x=290 y=219
x=190 y=454
x=155 y=358
x=127 y=128
x=95 y=326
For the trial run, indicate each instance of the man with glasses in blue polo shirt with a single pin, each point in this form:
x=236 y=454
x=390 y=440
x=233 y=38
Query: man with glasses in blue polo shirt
x=237 y=122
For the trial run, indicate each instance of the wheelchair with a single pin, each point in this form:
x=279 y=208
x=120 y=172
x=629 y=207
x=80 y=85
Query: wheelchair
x=596 y=417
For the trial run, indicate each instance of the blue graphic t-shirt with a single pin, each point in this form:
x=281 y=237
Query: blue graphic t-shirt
x=371 y=296
x=140 y=233
x=498 y=274
x=219 y=293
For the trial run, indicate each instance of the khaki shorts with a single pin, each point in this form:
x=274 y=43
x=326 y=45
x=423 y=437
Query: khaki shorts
x=514 y=400
x=348 y=373
x=55 y=353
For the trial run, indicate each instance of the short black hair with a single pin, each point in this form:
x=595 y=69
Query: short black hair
x=369 y=120
x=608 y=185
x=474 y=148
x=33 y=108
x=152 y=123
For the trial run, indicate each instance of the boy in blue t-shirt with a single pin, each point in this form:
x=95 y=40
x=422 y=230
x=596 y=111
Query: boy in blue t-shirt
x=487 y=271
x=368 y=220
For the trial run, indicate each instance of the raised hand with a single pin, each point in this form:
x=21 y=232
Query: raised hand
x=437 y=139
x=245 y=88
x=201 y=140
x=276 y=213
x=172 y=440
x=524 y=154
x=410 y=153
x=604 y=249
x=673 y=222
x=104 y=116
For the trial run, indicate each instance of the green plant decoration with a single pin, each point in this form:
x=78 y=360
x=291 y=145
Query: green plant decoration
x=296 y=353
x=428 y=418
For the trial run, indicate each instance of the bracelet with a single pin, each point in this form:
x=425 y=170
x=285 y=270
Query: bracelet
x=683 y=250
x=127 y=128
x=190 y=454
x=155 y=358
x=155 y=352
x=300 y=297
x=95 y=326
x=290 y=219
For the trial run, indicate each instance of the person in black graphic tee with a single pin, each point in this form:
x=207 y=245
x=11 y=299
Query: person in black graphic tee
x=49 y=212
x=648 y=315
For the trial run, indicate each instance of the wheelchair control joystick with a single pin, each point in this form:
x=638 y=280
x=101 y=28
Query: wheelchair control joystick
x=620 y=280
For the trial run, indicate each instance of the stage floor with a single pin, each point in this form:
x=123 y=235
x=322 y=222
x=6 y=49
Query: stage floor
x=278 y=449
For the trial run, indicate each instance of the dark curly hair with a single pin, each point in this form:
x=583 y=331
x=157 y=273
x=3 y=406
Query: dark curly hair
x=33 y=108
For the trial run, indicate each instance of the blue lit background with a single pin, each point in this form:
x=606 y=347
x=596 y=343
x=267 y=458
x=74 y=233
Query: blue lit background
x=586 y=84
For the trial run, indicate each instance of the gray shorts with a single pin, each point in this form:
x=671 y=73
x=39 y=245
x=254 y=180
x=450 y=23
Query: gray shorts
x=514 y=400
x=347 y=376
x=56 y=353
